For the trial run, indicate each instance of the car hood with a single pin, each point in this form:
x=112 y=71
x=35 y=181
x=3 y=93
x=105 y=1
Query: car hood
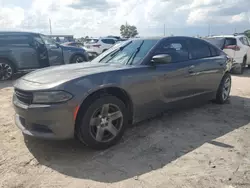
x=60 y=74
x=71 y=48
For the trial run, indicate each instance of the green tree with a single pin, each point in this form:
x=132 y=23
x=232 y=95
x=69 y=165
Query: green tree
x=247 y=33
x=128 y=31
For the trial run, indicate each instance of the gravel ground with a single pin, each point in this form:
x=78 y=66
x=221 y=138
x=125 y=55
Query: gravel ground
x=205 y=146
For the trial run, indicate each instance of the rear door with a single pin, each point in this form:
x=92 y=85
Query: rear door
x=20 y=48
x=233 y=49
x=208 y=65
x=55 y=52
x=246 y=48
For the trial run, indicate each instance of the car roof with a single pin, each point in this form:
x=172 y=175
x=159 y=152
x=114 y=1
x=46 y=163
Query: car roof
x=17 y=33
x=227 y=36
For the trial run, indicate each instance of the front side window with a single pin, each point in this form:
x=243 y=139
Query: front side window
x=198 y=49
x=176 y=48
x=48 y=41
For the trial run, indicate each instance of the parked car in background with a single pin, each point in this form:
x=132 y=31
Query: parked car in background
x=132 y=81
x=75 y=44
x=235 y=46
x=24 y=51
x=100 y=45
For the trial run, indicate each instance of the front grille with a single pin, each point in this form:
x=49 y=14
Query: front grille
x=24 y=96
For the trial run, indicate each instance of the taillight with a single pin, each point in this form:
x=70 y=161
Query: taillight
x=232 y=47
x=97 y=45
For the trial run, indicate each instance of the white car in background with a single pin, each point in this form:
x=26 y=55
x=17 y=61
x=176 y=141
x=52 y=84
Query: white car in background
x=236 y=47
x=100 y=45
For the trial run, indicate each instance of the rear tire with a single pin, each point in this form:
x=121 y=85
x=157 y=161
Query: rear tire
x=97 y=127
x=6 y=70
x=224 y=89
x=242 y=67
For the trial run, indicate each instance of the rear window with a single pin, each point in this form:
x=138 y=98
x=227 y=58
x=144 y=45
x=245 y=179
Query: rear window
x=218 y=42
x=230 y=41
x=108 y=41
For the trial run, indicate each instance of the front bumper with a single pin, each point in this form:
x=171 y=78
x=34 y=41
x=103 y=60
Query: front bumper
x=45 y=121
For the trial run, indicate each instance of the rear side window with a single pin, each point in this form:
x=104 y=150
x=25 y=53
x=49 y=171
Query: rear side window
x=244 y=41
x=230 y=41
x=108 y=41
x=198 y=49
x=214 y=51
x=16 y=40
x=217 y=41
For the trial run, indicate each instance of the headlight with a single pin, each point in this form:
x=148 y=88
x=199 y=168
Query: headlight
x=51 y=97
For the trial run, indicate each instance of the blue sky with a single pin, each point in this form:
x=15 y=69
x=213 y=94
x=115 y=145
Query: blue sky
x=104 y=17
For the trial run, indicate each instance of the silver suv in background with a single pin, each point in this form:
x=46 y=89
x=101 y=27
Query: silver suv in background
x=236 y=47
x=25 y=51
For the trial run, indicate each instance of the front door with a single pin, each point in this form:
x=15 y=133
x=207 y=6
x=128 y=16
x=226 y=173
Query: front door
x=55 y=53
x=176 y=80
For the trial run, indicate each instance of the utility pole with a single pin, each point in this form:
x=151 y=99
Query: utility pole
x=50 y=29
x=164 y=30
x=209 y=30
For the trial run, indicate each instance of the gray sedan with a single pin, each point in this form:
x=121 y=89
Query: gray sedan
x=130 y=82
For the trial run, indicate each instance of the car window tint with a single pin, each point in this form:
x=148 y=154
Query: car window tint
x=176 y=48
x=145 y=48
x=230 y=41
x=214 y=51
x=16 y=40
x=108 y=41
x=216 y=41
x=198 y=49
x=245 y=41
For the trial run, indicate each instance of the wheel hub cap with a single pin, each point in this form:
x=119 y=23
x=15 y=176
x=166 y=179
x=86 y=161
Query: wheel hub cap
x=5 y=71
x=226 y=89
x=106 y=123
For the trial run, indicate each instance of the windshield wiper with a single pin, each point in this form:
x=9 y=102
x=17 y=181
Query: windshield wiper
x=135 y=53
x=115 y=52
x=120 y=49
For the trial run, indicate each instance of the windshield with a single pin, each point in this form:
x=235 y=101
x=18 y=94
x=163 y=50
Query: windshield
x=128 y=52
x=47 y=40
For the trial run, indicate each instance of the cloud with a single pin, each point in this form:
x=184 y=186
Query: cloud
x=104 y=17
x=101 y=5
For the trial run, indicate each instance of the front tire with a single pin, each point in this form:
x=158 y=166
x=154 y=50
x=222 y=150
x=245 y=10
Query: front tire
x=224 y=89
x=103 y=123
x=6 y=70
x=78 y=59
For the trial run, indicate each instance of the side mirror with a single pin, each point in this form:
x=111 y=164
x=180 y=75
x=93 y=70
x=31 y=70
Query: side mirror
x=161 y=59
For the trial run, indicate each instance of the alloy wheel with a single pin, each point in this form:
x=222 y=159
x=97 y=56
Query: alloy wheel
x=6 y=71
x=106 y=123
x=226 y=89
x=79 y=59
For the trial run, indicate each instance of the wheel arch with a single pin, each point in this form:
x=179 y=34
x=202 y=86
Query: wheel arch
x=111 y=90
x=76 y=54
x=10 y=61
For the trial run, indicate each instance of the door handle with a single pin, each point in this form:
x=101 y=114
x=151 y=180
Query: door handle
x=191 y=69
